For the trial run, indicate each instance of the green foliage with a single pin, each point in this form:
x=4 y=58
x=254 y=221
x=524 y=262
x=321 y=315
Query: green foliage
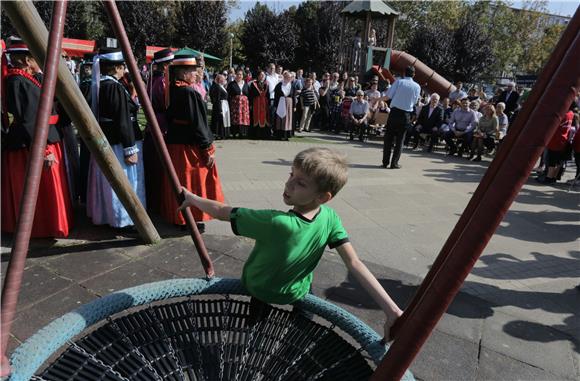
x=237 y=29
x=319 y=26
x=201 y=25
x=268 y=37
x=520 y=41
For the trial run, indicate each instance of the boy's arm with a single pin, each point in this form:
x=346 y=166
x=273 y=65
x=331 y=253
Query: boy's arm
x=371 y=285
x=211 y=207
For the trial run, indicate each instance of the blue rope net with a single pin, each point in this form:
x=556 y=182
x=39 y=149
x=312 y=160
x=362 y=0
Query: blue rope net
x=198 y=339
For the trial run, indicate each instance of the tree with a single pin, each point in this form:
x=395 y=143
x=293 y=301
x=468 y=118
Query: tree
x=319 y=26
x=84 y=19
x=473 y=54
x=268 y=37
x=201 y=25
x=539 y=52
x=434 y=46
x=415 y=15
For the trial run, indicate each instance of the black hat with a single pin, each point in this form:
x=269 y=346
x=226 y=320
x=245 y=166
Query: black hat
x=88 y=58
x=111 y=55
x=16 y=45
x=185 y=60
x=163 y=55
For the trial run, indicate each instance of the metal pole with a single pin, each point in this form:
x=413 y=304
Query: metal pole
x=119 y=29
x=31 y=28
x=501 y=156
x=231 y=49
x=555 y=92
x=19 y=252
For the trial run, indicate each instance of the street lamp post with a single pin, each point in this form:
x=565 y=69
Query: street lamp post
x=231 y=48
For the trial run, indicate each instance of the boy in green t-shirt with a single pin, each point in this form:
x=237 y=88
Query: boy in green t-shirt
x=289 y=245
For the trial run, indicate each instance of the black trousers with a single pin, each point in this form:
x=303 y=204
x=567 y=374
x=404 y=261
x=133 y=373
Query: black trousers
x=397 y=125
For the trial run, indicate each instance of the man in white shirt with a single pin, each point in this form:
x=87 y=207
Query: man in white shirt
x=272 y=79
x=404 y=95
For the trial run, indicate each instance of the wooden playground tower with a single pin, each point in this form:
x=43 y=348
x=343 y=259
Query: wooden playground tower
x=360 y=60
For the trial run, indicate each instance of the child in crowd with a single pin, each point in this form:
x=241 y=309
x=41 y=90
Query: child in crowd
x=289 y=245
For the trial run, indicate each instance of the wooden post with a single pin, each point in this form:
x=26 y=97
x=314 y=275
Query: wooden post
x=391 y=33
x=31 y=28
x=365 y=46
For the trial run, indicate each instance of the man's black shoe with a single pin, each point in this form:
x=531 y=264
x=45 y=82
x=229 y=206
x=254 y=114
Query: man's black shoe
x=200 y=227
x=396 y=166
x=384 y=166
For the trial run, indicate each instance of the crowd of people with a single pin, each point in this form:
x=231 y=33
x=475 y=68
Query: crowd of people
x=194 y=107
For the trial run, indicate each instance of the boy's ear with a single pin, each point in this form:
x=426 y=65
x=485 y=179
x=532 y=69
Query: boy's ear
x=324 y=197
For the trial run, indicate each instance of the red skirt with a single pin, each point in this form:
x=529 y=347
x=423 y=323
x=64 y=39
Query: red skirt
x=53 y=216
x=260 y=111
x=193 y=175
x=240 y=109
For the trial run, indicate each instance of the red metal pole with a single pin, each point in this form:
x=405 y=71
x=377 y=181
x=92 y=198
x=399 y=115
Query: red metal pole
x=19 y=252
x=553 y=95
x=515 y=130
x=119 y=29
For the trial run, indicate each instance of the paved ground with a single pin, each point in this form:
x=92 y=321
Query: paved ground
x=517 y=317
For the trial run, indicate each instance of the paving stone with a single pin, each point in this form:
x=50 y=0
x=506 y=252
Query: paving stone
x=521 y=294
x=530 y=342
x=446 y=357
x=31 y=319
x=180 y=260
x=39 y=283
x=84 y=265
x=131 y=274
x=227 y=266
x=495 y=366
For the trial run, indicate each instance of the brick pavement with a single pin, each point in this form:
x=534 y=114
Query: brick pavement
x=517 y=316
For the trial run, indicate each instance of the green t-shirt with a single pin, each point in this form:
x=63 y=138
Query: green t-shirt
x=288 y=248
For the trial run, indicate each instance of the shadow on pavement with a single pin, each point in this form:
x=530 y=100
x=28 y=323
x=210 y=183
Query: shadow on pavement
x=549 y=226
x=472 y=307
x=505 y=266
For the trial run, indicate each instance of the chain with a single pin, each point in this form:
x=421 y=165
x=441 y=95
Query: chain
x=91 y=356
x=302 y=354
x=170 y=351
x=135 y=350
x=188 y=305
x=336 y=363
x=250 y=339
x=224 y=334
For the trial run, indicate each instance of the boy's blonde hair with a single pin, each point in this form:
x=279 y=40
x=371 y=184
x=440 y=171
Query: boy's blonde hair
x=328 y=168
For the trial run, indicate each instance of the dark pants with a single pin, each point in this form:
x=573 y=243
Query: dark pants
x=397 y=125
x=361 y=129
x=465 y=138
x=272 y=115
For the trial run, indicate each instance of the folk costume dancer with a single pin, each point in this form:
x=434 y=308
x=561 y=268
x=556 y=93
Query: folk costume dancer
x=189 y=142
x=159 y=96
x=260 y=107
x=238 y=92
x=21 y=94
x=113 y=107
x=284 y=107
x=85 y=76
x=220 y=112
